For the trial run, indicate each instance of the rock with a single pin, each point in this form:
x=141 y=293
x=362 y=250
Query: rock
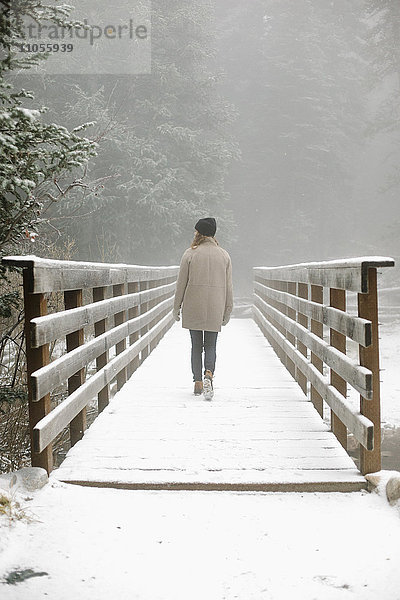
x=393 y=489
x=27 y=478
x=385 y=483
x=32 y=478
x=374 y=479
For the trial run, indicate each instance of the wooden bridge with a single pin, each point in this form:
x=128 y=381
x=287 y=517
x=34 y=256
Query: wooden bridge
x=275 y=374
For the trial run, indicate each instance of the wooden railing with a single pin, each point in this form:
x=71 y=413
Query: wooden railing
x=293 y=304
x=128 y=308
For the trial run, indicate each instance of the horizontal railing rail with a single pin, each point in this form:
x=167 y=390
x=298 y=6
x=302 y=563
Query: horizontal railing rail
x=293 y=304
x=128 y=308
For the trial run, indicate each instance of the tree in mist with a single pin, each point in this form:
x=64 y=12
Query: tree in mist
x=383 y=39
x=164 y=142
x=296 y=73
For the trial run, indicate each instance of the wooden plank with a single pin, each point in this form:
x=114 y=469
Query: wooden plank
x=346 y=274
x=296 y=437
x=338 y=341
x=283 y=357
x=36 y=305
x=53 y=423
x=98 y=447
x=209 y=462
x=290 y=289
x=370 y=459
x=314 y=483
x=361 y=427
x=77 y=426
x=355 y=328
x=280 y=426
x=61 y=275
x=100 y=327
x=144 y=307
x=250 y=458
x=234 y=435
x=302 y=292
x=119 y=319
x=152 y=284
x=357 y=376
x=133 y=312
x=44 y=380
x=317 y=296
x=55 y=326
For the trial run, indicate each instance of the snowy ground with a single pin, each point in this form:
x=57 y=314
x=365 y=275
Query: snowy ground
x=102 y=543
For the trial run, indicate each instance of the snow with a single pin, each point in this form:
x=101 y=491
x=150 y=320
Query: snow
x=103 y=543
x=254 y=435
x=39 y=261
x=343 y=262
x=152 y=545
x=172 y=545
x=28 y=113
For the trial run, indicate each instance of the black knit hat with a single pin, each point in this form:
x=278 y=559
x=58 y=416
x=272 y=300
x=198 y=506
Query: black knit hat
x=206 y=226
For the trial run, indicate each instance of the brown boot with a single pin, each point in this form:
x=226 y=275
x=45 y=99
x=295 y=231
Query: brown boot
x=198 y=388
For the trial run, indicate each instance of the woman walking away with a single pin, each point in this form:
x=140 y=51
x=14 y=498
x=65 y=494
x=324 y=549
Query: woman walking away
x=204 y=290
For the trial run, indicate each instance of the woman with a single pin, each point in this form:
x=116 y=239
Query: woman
x=204 y=287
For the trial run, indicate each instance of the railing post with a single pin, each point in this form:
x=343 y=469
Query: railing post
x=302 y=292
x=144 y=307
x=338 y=340
x=277 y=285
x=103 y=397
x=119 y=318
x=152 y=304
x=370 y=461
x=35 y=305
x=317 y=295
x=255 y=316
x=73 y=299
x=291 y=313
x=133 y=312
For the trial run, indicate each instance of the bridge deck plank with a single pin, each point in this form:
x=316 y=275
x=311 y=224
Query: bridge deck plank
x=259 y=432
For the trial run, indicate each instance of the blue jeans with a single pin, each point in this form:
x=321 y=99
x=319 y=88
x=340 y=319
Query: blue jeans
x=209 y=343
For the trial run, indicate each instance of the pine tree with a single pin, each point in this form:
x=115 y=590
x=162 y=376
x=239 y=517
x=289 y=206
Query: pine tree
x=34 y=155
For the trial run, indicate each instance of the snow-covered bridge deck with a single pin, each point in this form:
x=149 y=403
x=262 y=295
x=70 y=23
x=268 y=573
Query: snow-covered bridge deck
x=259 y=432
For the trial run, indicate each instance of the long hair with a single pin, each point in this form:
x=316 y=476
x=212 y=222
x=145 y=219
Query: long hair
x=198 y=239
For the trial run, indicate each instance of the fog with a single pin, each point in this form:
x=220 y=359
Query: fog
x=279 y=118
x=317 y=126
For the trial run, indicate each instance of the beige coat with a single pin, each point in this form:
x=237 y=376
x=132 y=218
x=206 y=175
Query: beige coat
x=204 y=287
